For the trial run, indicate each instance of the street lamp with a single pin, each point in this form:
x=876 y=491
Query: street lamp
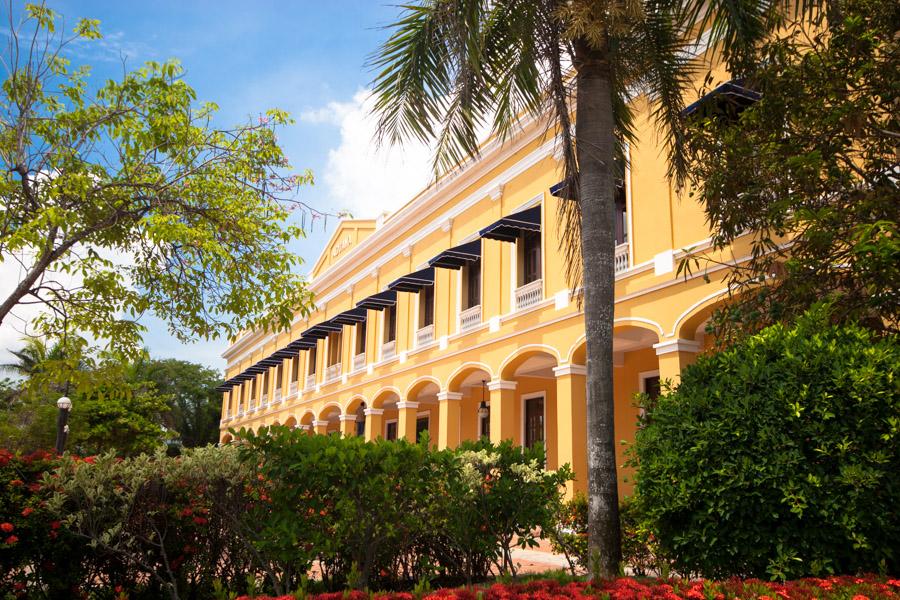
x=64 y=405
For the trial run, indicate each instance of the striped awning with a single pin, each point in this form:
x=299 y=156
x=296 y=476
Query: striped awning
x=508 y=229
x=414 y=282
x=379 y=301
x=458 y=256
x=731 y=95
x=351 y=317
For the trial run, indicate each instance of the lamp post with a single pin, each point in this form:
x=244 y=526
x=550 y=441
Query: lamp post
x=484 y=411
x=64 y=405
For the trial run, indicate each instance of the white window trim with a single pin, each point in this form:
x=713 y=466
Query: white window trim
x=388 y=422
x=532 y=396
x=643 y=376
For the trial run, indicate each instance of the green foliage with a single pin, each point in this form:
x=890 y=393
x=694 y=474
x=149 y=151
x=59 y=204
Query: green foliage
x=394 y=512
x=810 y=172
x=123 y=199
x=779 y=456
x=193 y=406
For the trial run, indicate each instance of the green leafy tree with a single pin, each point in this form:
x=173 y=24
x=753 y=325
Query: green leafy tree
x=778 y=456
x=810 y=172
x=194 y=408
x=124 y=199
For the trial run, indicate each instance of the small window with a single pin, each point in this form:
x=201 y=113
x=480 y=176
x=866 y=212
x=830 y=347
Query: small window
x=361 y=338
x=651 y=386
x=390 y=432
x=426 y=306
x=472 y=284
x=421 y=426
x=534 y=421
x=530 y=255
x=334 y=347
x=390 y=323
x=311 y=358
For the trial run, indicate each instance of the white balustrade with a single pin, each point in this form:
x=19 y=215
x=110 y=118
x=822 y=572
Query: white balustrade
x=470 y=318
x=310 y=381
x=293 y=389
x=332 y=372
x=359 y=361
x=529 y=294
x=425 y=335
x=277 y=396
x=621 y=258
x=389 y=350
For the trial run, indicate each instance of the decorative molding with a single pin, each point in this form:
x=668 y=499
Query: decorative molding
x=569 y=369
x=402 y=405
x=449 y=396
x=407 y=250
x=318 y=423
x=497 y=192
x=447 y=225
x=345 y=418
x=373 y=411
x=501 y=385
x=676 y=345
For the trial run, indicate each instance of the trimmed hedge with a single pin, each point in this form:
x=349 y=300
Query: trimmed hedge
x=779 y=457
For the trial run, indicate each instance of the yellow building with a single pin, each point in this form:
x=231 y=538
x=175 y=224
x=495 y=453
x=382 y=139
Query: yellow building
x=453 y=315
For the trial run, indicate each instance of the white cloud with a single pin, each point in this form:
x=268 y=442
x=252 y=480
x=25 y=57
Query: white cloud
x=360 y=176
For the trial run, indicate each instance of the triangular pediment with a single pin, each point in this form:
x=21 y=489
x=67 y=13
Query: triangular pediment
x=349 y=234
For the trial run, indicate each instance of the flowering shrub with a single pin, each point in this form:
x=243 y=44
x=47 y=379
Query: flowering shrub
x=778 y=457
x=833 y=588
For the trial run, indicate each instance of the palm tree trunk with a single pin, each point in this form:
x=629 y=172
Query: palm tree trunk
x=596 y=149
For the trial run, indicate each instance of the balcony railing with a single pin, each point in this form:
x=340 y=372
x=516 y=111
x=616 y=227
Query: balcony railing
x=470 y=318
x=359 y=361
x=310 y=381
x=293 y=389
x=276 y=396
x=389 y=350
x=529 y=294
x=621 y=258
x=265 y=401
x=332 y=372
x=240 y=413
x=425 y=335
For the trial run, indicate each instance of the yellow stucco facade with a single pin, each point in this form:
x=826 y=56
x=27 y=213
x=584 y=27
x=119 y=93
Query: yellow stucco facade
x=517 y=343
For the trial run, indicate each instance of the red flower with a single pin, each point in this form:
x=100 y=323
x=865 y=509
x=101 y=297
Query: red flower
x=16 y=482
x=200 y=521
x=27 y=511
x=12 y=540
x=54 y=524
x=6 y=527
x=860 y=597
x=90 y=460
x=187 y=512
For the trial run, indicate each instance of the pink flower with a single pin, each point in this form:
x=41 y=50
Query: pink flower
x=27 y=511
x=11 y=540
x=6 y=527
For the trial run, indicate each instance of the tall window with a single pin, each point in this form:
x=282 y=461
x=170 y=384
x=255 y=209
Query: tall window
x=621 y=218
x=295 y=368
x=530 y=254
x=265 y=385
x=311 y=357
x=534 y=421
x=390 y=432
x=472 y=284
x=486 y=424
x=334 y=348
x=279 y=376
x=360 y=338
x=426 y=306
x=390 y=323
x=253 y=390
x=421 y=426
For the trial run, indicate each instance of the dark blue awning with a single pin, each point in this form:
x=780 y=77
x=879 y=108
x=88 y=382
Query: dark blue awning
x=351 y=317
x=508 y=229
x=731 y=94
x=379 y=301
x=457 y=257
x=563 y=189
x=413 y=282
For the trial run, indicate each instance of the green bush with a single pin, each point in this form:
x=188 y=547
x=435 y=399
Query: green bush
x=779 y=456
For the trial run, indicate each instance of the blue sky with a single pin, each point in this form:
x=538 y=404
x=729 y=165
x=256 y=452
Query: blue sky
x=307 y=57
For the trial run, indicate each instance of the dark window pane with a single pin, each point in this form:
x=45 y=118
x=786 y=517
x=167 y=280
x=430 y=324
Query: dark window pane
x=534 y=421
x=391 y=433
x=531 y=245
x=421 y=425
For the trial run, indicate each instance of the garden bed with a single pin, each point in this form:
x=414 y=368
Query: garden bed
x=833 y=588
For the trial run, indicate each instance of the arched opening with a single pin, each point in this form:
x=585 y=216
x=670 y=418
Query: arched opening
x=357 y=407
x=331 y=413
x=306 y=421
x=386 y=399
x=290 y=423
x=226 y=439
x=533 y=401
x=471 y=380
x=424 y=393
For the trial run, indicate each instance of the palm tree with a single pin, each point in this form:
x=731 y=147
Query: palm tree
x=452 y=67
x=32 y=357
